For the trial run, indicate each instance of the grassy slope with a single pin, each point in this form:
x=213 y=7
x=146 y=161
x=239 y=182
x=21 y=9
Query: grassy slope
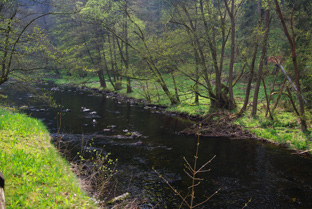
x=283 y=129
x=36 y=175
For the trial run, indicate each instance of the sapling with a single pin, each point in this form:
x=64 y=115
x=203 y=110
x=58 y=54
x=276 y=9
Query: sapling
x=191 y=172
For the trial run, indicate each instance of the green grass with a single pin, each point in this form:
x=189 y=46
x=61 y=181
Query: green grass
x=284 y=129
x=36 y=176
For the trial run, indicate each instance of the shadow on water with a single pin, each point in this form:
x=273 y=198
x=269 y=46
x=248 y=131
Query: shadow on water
x=243 y=169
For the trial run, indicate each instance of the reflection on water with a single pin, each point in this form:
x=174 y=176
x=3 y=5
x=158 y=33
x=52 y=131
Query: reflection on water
x=243 y=169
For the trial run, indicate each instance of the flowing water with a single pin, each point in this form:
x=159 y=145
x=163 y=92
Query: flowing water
x=268 y=176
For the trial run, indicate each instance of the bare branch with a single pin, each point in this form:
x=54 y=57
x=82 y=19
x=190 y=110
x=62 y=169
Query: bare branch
x=216 y=192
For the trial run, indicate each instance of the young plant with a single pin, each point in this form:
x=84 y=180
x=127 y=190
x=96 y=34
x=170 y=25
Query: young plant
x=192 y=171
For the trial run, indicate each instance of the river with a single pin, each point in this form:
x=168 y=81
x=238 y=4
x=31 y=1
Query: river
x=268 y=176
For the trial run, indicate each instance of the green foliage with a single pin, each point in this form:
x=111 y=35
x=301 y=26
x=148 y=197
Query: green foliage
x=36 y=175
x=102 y=10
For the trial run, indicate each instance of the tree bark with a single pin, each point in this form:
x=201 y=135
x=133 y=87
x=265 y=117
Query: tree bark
x=263 y=54
x=102 y=79
x=267 y=99
x=279 y=94
x=251 y=70
x=129 y=88
x=271 y=91
x=292 y=44
x=231 y=67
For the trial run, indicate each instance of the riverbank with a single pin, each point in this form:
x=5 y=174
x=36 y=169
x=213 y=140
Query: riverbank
x=283 y=130
x=241 y=160
x=36 y=176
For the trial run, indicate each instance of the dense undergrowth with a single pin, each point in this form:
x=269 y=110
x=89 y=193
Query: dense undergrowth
x=283 y=129
x=36 y=176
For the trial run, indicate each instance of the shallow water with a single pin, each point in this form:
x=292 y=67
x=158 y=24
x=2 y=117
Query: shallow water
x=244 y=169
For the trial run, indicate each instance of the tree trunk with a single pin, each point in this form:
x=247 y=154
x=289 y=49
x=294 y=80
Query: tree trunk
x=196 y=88
x=272 y=89
x=251 y=70
x=129 y=89
x=106 y=67
x=267 y=99
x=175 y=87
x=263 y=54
x=292 y=44
x=279 y=94
x=102 y=79
x=231 y=67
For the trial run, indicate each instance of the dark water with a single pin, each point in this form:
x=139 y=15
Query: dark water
x=244 y=169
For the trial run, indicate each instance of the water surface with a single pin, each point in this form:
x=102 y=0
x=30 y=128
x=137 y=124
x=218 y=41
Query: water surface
x=270 y=176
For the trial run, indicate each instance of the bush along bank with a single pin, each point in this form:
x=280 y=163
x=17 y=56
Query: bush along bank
x=36 y=176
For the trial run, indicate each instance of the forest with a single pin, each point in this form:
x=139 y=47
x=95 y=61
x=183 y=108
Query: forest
x=240 y=69
x=174 y=52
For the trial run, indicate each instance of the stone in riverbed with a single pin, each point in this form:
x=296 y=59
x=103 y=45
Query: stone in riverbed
x=119 y=198
x=138 y=143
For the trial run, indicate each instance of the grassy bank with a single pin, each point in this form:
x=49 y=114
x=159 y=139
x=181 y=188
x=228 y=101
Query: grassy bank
x=283 y=129
x=36 y=175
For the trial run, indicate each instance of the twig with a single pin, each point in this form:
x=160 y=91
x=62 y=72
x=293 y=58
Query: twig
x=171 y=187
x=193 y=171
x=246 y=204
x=207 y=198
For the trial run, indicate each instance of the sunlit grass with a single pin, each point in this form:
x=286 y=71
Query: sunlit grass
x=36 y=175
x=284 y=129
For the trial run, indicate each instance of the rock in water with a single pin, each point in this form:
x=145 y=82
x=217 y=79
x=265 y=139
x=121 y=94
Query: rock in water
x=119 y=198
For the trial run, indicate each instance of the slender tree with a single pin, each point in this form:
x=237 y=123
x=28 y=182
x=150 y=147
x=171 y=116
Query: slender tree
x=290 y=34
x=262 y=59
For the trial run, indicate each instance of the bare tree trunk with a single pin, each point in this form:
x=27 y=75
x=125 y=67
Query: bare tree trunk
x=267 y=99
x=102 y=79
x=175 y=87
x=106 y=67
x=279 y=94
x=231 y=68
x=263 y=54
x=251 y=70
x=292 y=44
x=100 y=72
x=196 y=88
x=292 y=101
x=129 y=89
x=117 y=75
x=272 y=89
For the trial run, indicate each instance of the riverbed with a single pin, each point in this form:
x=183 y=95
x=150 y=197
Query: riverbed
x=142 y=138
